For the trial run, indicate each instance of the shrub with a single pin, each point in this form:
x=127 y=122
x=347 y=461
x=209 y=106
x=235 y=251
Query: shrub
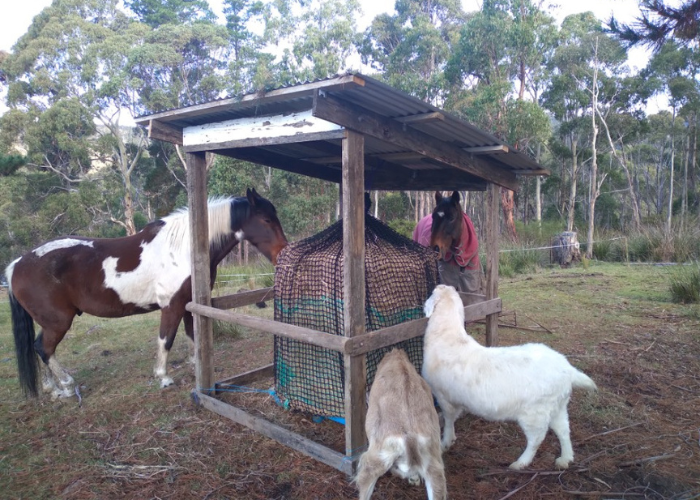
x=685 y=285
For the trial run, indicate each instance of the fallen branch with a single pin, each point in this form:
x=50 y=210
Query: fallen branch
x=648 y=459
x=520 y=487
x=609 y=432
x=530 y=471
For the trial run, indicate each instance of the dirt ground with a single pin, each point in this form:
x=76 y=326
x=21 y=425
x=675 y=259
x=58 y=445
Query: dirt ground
x=637 y=437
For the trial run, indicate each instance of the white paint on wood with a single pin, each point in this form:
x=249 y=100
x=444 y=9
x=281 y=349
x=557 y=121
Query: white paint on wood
x=288 y=125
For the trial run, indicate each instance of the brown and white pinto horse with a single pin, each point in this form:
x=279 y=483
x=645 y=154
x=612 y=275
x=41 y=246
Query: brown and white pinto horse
x=116 y=277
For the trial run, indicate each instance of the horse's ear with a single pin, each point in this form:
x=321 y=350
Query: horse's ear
x=252 y=195
x=455 y=197
x=438 y=197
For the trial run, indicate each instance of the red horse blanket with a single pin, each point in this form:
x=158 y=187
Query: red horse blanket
x=466 y=254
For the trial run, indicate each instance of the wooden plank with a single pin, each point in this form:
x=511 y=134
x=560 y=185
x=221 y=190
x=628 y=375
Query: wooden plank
x=259 y=131
x=354 y=289
x=410 y=329
x=492 y=225
x=321 y=339
x=280 y=434
x=164 y=132
x=241 y=299
x=201 y=275
x=422 y=118
x=266 y=371
x=270 y=159
x=287 y=93
x=266 y=141
x=369 y=123
x=499 y=148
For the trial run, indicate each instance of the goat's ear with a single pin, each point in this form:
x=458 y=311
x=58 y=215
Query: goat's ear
x=429 y=305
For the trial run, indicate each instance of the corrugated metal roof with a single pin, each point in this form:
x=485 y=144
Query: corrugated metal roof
x=363 y=93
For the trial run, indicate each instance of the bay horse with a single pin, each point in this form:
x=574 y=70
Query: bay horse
x=450 y=232
x=117 y=277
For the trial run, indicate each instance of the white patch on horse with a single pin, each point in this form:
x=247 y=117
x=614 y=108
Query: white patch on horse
x=164 y=261
x=161 y=365
x=59 y=244
x=239 y=235
x=441 y=214
x=9 y=270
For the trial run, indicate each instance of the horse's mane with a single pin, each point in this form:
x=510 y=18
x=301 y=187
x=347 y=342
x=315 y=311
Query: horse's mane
x=221 y=210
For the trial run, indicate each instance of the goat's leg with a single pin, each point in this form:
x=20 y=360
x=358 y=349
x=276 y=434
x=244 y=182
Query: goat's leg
x=371 y=468
x=560 y=426
x=535 y=430
x=435 y=482
x=451 y=414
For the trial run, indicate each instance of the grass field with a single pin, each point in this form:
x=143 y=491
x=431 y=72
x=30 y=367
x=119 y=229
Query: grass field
x=638 y=437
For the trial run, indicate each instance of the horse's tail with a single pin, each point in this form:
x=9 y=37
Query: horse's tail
x=23 y=331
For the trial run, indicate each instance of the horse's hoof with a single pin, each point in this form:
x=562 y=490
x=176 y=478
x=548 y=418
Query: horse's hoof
x=165 y=382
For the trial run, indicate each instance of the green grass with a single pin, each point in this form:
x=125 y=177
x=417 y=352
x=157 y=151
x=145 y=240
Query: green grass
x=685 y=285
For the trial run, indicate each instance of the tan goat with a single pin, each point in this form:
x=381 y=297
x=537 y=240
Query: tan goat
x=403 y=430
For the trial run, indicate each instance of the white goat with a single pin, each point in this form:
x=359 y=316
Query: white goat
x=403 y=430
x=530 y=384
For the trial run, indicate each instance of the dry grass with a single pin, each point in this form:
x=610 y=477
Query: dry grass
x=637 y=438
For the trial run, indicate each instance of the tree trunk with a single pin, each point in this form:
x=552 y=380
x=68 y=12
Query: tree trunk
x=670 y=180
x=572 y=188
x=593 y=190
x=508 y=205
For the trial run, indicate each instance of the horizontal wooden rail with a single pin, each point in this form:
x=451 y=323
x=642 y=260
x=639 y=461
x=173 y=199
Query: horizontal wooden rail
x=321 y=339
x=280 y=434
x=241 y=299
x=247 y=377
x=410 y=329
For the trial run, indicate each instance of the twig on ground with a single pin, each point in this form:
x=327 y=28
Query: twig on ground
x=519 y=487
x=648 y=459
x=609 y=432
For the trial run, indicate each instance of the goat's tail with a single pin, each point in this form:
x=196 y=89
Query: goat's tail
x=583 y=381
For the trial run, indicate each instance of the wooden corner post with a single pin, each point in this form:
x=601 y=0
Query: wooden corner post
x=201 y=274
x=492 y=211
x=354 y=290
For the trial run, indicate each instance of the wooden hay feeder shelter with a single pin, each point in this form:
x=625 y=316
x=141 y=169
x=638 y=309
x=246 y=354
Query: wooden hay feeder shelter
x=363 y=135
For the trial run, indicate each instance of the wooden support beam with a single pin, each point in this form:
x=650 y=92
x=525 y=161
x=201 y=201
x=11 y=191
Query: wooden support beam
x=164 y=132
x=201 y=276
x=258 y=131
x=270 y=159
x=278 y=433
x=354 y=291
x=243 y=298
x=369 y=123
x=421 y=118
x=404 y=331
x=492 y=225
x=499 y=148
x=321 y=339
x=248 y=377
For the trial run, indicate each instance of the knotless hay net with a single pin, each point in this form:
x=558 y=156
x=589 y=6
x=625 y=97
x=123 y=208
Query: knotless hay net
x=399 y=276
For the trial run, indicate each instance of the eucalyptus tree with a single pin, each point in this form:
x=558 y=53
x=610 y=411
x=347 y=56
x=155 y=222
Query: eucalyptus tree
x=584 y=54
x=410 y=49
x=306 y=40
x=496 y=74
x=76 y=54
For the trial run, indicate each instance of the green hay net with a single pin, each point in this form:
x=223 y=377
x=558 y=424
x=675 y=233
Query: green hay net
x=399 y=276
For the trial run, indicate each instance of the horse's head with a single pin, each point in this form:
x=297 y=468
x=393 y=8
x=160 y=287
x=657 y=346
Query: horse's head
x=446 y=229
x=263 y=228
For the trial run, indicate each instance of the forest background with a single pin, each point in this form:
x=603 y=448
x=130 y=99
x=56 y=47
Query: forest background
x=565 y=93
